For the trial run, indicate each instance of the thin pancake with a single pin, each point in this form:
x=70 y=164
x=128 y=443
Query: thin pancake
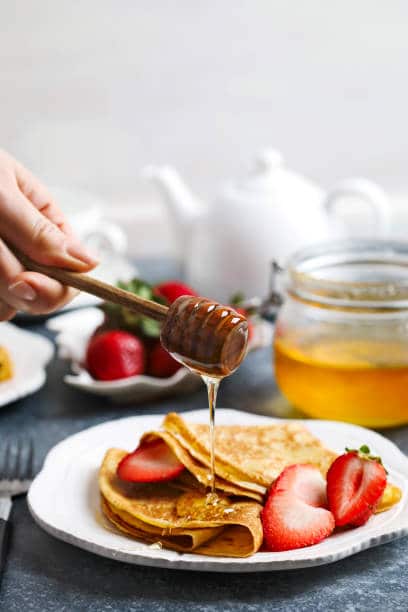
x=201 y=472
x=180 y=520
x=289 y=436
x=251 y=457
x=179 y=539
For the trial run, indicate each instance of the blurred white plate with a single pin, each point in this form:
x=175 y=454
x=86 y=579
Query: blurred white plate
x=64 y=498
x=73 y=332
x=29 y=353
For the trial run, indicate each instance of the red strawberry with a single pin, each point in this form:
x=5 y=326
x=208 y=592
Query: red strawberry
x=151 y=462
x=171 y=290
x=160 y=363
x=294 y=515
x=355 y=484
x=115 y=354
x=244 y=313
x=362 y=518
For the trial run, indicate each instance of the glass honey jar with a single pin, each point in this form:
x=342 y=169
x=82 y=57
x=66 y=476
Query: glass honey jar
x=341 y=336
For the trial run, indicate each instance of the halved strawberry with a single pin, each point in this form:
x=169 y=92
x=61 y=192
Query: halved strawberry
x=355 y=484
x=362 y=518
x=294 y=515
x=151 y=462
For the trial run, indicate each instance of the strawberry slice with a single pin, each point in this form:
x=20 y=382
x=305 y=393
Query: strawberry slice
x=294 y=515
x=355 y=484
x=362 y=518
x=151 y=462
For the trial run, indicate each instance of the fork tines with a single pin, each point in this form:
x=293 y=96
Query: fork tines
x=16 y=459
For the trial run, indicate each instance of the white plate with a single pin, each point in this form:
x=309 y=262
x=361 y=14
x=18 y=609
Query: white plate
x=73 y=332
x=29 y=353
x=64 y=498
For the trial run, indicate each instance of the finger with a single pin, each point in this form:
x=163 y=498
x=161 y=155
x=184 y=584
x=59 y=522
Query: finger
x=29 y=291
x=23 y=225
x=10 y=268
x=6 y=311
x=40 y=293
x=41 y=198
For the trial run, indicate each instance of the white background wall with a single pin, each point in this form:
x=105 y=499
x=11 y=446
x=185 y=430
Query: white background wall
x=91 y=91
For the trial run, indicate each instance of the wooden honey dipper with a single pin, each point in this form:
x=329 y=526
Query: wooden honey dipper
x=203 y=335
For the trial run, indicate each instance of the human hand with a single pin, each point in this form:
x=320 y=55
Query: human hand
x=31 y=221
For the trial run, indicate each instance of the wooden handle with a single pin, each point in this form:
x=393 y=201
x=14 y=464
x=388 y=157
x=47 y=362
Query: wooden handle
x=86 y=283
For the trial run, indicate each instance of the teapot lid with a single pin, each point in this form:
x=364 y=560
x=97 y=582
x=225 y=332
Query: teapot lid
x=270 y=177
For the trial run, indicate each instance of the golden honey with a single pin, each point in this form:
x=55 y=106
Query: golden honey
x=360 y=380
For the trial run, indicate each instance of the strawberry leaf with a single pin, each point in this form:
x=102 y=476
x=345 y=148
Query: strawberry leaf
x=119 y=317
x=237 y=298
x=149 y=327
x=364 y=453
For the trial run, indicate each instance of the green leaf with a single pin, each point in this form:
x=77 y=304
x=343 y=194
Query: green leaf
x=149 y=327
x=237 y=298
x=119 y=317
x=364 y=453
x=138 y=287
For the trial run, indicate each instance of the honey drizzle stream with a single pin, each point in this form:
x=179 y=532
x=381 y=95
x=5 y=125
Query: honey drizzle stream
x=212 y=385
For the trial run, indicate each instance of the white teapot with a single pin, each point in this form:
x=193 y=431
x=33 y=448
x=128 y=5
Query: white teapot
x=228 y=246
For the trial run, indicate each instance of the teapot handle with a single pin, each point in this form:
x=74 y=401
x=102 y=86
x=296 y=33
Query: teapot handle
x=368 y=191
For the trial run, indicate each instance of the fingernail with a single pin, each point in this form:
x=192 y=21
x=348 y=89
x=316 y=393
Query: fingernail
x=76 y=250
x=22 y=291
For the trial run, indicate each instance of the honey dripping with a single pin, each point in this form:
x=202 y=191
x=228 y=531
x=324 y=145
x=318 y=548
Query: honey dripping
x=210 y=340
x=212 y=385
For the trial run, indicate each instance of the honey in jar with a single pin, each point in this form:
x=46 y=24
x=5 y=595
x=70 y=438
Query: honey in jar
x=341 y=340
x=360 y=381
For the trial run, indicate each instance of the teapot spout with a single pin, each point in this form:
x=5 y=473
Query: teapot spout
x=184 y=207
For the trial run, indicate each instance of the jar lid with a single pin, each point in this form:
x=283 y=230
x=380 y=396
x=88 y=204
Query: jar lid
x=351 y=274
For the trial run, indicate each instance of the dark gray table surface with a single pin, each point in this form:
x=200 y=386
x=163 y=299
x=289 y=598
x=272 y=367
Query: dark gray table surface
x=44 y=574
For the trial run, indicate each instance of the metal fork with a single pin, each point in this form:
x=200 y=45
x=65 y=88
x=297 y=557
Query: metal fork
x=16 y=475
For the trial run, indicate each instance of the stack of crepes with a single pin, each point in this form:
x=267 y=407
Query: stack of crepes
x=179 y=515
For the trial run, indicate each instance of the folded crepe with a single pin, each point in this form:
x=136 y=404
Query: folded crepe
x=247 y=458
x=178 y=519
x=178 y=514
